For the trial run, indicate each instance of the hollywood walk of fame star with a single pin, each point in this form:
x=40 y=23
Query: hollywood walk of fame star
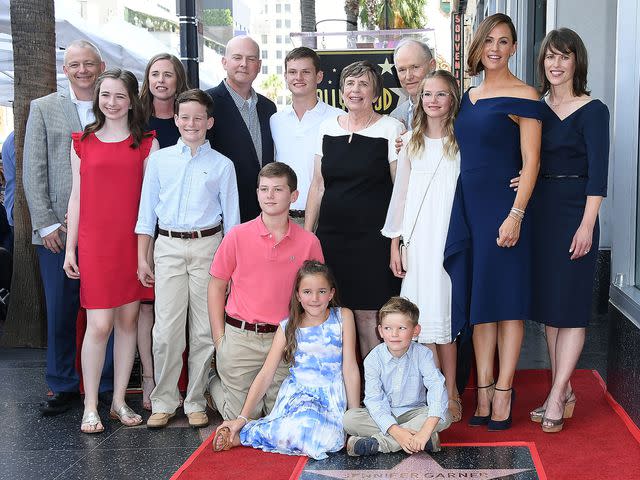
x=420 y=466
x=386 y=67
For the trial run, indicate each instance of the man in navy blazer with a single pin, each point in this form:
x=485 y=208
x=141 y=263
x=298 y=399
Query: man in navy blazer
x=242 y=131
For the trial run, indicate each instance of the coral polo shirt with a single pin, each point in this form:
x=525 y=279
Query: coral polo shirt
x=261 y=270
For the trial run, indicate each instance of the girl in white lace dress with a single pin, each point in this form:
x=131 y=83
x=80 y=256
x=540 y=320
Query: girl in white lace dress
x=419 y=211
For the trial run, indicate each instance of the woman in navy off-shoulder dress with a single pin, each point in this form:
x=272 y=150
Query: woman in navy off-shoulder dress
x=571 y=185
x=488 y=251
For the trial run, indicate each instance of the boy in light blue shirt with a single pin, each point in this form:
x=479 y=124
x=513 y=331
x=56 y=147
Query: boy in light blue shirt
x=405 y=396
x=190 y=190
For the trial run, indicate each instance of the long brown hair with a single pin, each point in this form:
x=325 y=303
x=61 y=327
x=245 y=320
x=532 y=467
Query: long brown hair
x=134 y=117
x=565 y=40
x=419 y=123
x=474 y=57
x=146 y=97
x=296 y=312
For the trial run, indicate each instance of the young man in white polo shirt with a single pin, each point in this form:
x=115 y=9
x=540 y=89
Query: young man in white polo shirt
x=295 y=128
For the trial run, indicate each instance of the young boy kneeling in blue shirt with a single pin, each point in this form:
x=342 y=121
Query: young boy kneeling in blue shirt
x=405 y=396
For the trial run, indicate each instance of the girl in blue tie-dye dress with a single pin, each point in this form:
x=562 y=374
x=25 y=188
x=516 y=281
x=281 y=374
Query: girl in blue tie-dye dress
x=318 y=341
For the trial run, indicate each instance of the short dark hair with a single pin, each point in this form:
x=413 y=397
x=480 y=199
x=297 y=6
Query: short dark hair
x=303 y=52
x=195 y=95
x=279 y=169
x=358 y=69
x=474 y=56
x=400 y=305
x=565 y=40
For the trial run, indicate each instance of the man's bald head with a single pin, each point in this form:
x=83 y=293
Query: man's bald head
x=242 y=63
x=241 y=41
x=413 y=60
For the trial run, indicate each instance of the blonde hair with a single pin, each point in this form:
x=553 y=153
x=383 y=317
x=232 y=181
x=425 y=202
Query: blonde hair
x=420 y=119
x=402 y=306
x=474 y=57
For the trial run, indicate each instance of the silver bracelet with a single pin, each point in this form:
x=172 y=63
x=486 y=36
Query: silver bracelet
x=246 y=420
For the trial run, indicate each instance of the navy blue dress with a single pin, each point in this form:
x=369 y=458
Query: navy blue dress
x=577 y=146
x=489 y=283
x=167 y=132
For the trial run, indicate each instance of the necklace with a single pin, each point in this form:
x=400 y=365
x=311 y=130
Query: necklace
x=562 y=101
x=364 y=128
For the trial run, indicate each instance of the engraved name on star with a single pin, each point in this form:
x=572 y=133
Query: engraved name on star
x=421 y=466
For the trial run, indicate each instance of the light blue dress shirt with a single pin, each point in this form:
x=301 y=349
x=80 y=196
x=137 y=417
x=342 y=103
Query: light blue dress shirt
x=393 y=386
x=184 y=193
x=9 y=169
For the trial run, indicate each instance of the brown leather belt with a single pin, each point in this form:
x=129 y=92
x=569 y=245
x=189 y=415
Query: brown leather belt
x=186 y=235
x=252 y=327
x=296 y=213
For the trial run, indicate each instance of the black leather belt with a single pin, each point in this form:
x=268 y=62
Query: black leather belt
x=544 y=175
x=296 y=213
x=186 y=235
x=252 y=327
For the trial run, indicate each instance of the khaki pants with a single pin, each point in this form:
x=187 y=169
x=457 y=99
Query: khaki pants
x=182 y=278
x=239 y=357
x=358 y=422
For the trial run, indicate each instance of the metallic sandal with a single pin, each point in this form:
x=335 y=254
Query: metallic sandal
x=91 y=419
x=537 y=414
x=222 y=440
x=550 y=425
x=456 y=412
x=125 y=412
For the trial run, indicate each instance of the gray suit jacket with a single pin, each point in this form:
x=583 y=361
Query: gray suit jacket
x=47 y=165
x=404 y=113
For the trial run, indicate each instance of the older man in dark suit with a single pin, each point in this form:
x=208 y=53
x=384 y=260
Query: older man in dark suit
x=47 y=184
x=242 y=131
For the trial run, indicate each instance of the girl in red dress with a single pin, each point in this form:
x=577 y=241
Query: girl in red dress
x=108 y=160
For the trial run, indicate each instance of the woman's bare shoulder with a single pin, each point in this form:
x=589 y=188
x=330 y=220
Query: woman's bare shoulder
x=523 y=90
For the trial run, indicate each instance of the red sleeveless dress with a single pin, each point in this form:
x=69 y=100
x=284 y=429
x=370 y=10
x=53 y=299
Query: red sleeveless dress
x=111 y=181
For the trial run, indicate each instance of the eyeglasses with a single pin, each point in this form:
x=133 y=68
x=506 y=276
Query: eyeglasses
x=403 y=71
x=439 y=96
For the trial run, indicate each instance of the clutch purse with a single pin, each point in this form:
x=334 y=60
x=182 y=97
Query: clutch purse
x=404 y=255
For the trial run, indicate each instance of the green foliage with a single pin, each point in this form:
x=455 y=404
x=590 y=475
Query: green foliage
x=271 y=86
x=217 y=17
x=398 y=13
x=144 y=20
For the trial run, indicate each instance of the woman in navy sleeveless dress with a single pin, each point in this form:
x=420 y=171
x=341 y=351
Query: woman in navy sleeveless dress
x=488 y=251
x=571 y=185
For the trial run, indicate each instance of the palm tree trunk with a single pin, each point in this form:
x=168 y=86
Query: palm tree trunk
x=33 y=34
x=351 y=8
x=308 y=21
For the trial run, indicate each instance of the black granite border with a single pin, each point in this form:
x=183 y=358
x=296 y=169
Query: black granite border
x=623 y=363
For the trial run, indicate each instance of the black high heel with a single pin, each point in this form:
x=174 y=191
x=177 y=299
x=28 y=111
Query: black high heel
x=498 y=425
x=479 y=420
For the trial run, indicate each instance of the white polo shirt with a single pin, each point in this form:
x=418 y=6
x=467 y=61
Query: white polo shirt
x=295 y=142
